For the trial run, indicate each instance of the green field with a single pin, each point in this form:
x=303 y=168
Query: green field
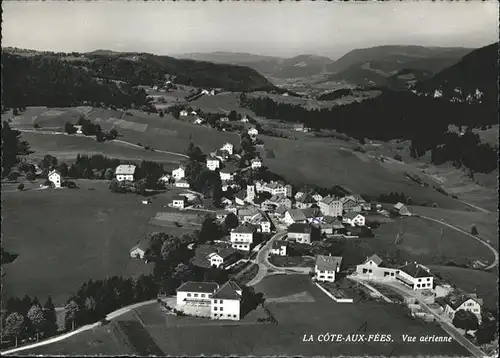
x=485 y=284
x=421 y=242
x=65 y=237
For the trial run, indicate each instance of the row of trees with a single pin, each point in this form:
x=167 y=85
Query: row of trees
x=12 y=148
x=26 y=318
x=90 y=129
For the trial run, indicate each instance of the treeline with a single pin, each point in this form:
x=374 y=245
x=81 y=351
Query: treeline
x=12 y=148
x=393 y=115
x=46 y=80
x=90 y=129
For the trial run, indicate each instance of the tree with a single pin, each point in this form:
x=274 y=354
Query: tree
x=20 y=187
x=486 y=332
x=109 y=174
x=161 y=114
x=71 y=311
x=30 y=176
x=69 y=128
x=35 y=315
x=49 y=313
x=217 y=189
x=14 y=325
x=113 y=133
x=474 y=230
x=465 y=320
x=48 y=162
x=231 y=221
x=169 y=248
x=12 y=147
x=209 y=230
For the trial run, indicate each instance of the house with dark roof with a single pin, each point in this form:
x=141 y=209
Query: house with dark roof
x=179 y=201
x=375 y=268
x=305 y=201
x=226 y=302
x=196 y=293
x=456 y=301
x=139 y=250
x=326 y=267
x=354 y=219
x=222 y=258
x=415 y=276
x=279 y=247
x=242 y=237
x=313 y=215
x=300 y=233
x=293 y=216
x=401 y=209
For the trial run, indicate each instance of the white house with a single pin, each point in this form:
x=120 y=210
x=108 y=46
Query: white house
x=416 y=276
x=193 y=113
x=354 y=219
x=165 y=178
x=226 y=302
x=256 y=163
x=402 y=209
x=228 y=147
x=252 y=132
x=125 y=172
x=182 y=184
x=467 y=302
x=274 y=188
x=224 y=119
x=293 y=216
x=183 y=113
x=244 y=120
x=196 y=293
x=330 y=206
x=242 y=237
x=279 y=248
x=179 y=201
x=78 y=129
x=222 y=257
x=179 y=173
x=55 y=177
x=139 y=250
x=213 y=163
x=375 y=268
x=326 y=267
x=227 y=173
x=199 y=120
x=300 y=233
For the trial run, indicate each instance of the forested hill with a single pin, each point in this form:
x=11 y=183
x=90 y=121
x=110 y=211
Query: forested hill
x=45 y=78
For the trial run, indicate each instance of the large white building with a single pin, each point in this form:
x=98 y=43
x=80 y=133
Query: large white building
x=274 y=188
x=354 y=219
x=228 y=147
x=242 y=237
x=326 y=267
x=256 y=163
x=125 y=172
x=330 y=206
x=179 y=173
x=461 y=301
x=196 y=293
x=226 y=302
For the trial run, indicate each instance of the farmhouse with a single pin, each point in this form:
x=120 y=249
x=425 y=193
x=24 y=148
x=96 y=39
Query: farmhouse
x=240 y=197
x=279 y=248
x=125 y=172
x=55 y=177
x=298 y=195
x=226 y=302
x=139 y=250
x=252 y=132
x=402 y=209
x=256 y=163
x=326 y=267
x=181 y=184
x=228 y=147
x=317 y=197
x=223 y=257
x=293 y=216
x=179 y=173
x=305 y=201
x=461 y=301
x=196 y=293
x=242 y=237
x=213 y=163
x=331 y=206
x=375 y=268
x=354 y=219
x=415 y=276
x=349 y=203
x=179 y=201
x=300 y=233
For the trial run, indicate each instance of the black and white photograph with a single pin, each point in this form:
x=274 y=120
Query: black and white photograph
x=249 y=178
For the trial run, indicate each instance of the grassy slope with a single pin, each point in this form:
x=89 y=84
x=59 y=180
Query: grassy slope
x=58 y=253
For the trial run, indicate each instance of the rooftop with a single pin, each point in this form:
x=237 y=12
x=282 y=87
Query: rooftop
x=398 y=206
x=375 y=258
x=204 y=287
x=228 y=291
x=351 y=215
x=328 y=199
x=300 y=228
x=297 y=215
x=244 y=229
x=178 y=197
x=415 y=270
x=223 y=252
x=328 y=263
x=456 y=300
x=279 y=243
x=125 y=169
x=312 y=212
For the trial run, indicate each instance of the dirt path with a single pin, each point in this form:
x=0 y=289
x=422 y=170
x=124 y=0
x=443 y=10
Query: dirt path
x=492 y=249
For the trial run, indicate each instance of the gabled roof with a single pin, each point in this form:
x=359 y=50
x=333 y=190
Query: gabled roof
x=228 y=291
x=330 y=219
x=277 y=198
x=328 y=263
x=375 y=258
x=245 y=229
x=455 y=301
x=212 y=160
x=141 y=245
x=306 y=199
x=351 y=215
x=281 y=210
x=182 y=181
x=256 y=160
x=328 y=200
x=126 y=169
x=250 y=211
x=181 y=167
x=178 y=197
x=300 y=228
x=348 y=198
x=55 y=171
x=312 y=212
x=398 y=206
x=297 y=215
x=415 y=270
x=193 y=286
x=224 y=253
x=229 y=169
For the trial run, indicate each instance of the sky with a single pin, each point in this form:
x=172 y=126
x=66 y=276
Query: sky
x=268 y=28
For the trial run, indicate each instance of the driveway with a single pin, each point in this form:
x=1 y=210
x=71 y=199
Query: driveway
x=443 y=321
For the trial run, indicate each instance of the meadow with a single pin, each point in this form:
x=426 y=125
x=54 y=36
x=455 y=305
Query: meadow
x=64 y=237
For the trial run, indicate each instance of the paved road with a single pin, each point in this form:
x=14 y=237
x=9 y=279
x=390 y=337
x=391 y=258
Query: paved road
x=263 y=262
x=492 y=249
x=110 y=316
x=443 y=321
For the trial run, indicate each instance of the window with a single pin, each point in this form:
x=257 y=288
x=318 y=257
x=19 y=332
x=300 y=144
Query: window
x=222 y=309
x=364 y=270
x=195 y=295
x=418 y=285
x=429 y=279
x=202 y=295
x=189 y=295
x=370 y=270
x=392 y=273
x=215 y=308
